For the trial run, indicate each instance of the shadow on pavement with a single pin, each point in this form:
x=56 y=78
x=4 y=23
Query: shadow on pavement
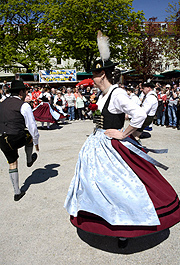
x=40 y=175
x=110 y=244
x=53 y=126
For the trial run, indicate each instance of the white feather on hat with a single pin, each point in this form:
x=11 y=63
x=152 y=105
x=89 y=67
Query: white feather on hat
x=103 y=46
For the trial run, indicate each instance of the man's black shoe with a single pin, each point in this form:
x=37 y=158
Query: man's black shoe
x=34 y=157
x=17 y=197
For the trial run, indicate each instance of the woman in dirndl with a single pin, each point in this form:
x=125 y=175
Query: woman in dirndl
x=116 y=189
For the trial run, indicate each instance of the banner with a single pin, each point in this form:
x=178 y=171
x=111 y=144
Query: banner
x=57 y=76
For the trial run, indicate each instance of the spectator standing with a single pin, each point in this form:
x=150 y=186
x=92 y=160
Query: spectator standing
x=4 y=87
x=172 y=106
x=76 y=90
x=80 y=100
x=178 y=110
x=76 y=94
x=178 y=87
x=161 y=106
x=2 y=96
x=63 y=90
x=88 y=93
x=83 y=89
x=70 y=99
x=36 y=96
x=28 y=98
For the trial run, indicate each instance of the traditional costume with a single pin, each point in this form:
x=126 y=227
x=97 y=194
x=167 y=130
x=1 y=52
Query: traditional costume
x=116 y=189
x=17 y=129
x=45 y=113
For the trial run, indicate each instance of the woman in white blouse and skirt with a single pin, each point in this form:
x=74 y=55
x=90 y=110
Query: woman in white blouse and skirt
x=116 y=189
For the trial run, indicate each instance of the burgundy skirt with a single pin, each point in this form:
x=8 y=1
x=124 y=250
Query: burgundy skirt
x=42 y=113
x=163 y=196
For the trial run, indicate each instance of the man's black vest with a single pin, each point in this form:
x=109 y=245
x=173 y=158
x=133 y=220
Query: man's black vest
x=11 y=120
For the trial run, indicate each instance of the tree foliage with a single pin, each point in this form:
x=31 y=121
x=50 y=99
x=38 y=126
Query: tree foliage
x=145 y=52
x=23 y=39
x=77 y=23
x=173 y=11
x=171 y=40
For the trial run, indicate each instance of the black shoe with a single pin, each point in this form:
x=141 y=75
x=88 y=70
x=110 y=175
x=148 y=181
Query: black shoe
x=34 y=157
x=122 y=243
x=17 y=197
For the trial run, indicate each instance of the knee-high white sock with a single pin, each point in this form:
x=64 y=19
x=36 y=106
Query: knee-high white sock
x=28 y=150
x=48 y=124
x=14 y=176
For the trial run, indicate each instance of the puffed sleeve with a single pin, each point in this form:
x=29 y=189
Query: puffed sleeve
x=30 y=122
x=124 y=104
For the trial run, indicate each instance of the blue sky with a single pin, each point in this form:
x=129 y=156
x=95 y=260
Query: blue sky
x=153 y=8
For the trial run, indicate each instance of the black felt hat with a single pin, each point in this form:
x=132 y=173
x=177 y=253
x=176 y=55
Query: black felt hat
x=17 y=85
x=100 y=65
x=149 y=84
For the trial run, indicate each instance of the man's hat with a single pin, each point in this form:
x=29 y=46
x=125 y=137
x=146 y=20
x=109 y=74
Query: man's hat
x=17 y=85
x=100 y=65
x=130 y=88
x=148 y=84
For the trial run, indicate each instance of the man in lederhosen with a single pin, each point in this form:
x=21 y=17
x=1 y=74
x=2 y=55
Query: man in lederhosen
x=17 y=129
x=149 y=104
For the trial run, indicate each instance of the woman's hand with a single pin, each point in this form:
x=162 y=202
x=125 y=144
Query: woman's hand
x=116 y=134
x=120 y=135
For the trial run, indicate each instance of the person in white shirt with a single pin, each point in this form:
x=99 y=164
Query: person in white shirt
x=70 y=99
x=149 y=104
x=16 y=116
x=130 y=91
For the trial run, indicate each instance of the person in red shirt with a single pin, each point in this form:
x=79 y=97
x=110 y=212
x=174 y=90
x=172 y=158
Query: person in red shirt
x=35 y=97
x=161 y=110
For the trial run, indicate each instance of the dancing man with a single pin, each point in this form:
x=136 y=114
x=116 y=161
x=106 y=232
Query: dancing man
x=16 y=116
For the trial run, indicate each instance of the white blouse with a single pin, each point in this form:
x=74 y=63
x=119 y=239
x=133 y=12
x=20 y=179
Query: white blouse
x=121 y=103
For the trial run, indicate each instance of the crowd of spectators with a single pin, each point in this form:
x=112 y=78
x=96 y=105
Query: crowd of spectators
x=168 y=95
x=76 y=101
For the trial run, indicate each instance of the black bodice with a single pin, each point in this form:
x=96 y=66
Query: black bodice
x=108 y=120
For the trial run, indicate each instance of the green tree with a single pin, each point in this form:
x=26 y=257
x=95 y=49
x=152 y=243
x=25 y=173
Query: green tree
x=171 y=40
x=173 y=10
x=145 y=51
x=76 y=24
x=24 y=35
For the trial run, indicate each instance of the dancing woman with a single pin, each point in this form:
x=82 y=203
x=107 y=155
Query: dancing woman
x=116 y=189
